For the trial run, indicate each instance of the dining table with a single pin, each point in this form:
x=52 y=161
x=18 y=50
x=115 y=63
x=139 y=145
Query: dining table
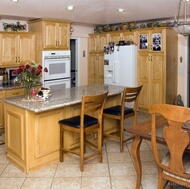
x=143 y=131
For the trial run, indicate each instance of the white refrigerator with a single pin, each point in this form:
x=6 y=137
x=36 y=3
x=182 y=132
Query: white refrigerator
x=120 y=66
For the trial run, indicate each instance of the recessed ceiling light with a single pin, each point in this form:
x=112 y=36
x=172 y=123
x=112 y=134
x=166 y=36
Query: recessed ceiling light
x=14 y=0
x=70 y=7
x=120 y=10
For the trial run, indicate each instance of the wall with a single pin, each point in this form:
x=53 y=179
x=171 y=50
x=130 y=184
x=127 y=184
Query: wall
x=81 y=35
x=183 y=68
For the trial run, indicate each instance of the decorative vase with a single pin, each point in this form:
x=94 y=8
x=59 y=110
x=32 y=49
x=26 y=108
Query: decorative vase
x=27 y=92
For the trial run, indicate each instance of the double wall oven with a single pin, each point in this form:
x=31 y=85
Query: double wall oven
x=58 y=64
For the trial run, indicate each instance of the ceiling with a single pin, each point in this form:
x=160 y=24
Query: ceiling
x=93 y=12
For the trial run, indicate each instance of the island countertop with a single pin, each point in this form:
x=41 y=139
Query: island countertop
x=64 y=97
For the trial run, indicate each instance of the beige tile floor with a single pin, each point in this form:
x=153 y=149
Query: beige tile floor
x=115 y=172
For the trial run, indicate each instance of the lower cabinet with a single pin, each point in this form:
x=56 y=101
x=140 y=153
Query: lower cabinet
x=7 y=94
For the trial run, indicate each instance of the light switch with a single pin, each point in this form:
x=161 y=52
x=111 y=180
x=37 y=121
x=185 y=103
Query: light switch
x=84 y=54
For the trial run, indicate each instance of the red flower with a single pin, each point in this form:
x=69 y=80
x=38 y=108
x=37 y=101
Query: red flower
x=33 y=70
x=40 y=67
x=15 y=71
x=38 y=72
x=20 y=70
x=27 y=66
x=45 y=70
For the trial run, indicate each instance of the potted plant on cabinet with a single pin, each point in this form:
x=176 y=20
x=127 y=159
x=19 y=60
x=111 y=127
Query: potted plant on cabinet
x=14 y=27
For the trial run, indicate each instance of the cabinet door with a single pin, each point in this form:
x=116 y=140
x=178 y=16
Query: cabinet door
x=127 y=36
x=93 y=43
x=26 y=48
x=114 y=37
x=8 y=49
x=62 y=38
x=50 y=35
x=102 y=42
x=157 y=84
x=144 y=79
x=151 y=41
x=93 y=69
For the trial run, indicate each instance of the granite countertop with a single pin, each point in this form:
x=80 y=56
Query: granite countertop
x=64 y=97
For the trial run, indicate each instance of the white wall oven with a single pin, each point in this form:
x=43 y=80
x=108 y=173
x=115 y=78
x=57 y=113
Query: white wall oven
x=58 y=64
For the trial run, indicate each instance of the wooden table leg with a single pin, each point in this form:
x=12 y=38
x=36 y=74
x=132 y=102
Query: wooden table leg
x=135 y=151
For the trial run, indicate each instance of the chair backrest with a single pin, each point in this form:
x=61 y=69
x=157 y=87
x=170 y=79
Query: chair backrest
x=93 y=103
x=131 y=94
x=177 y=139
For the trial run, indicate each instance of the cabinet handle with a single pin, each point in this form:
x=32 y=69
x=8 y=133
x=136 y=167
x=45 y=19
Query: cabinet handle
x=55 y=43
x=148 y=58
x=16 y=59
x=16 y=93
x=150 y=47
x=19 y=59
x=58 y=43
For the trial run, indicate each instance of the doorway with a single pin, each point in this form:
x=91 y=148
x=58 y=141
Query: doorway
x=74 y=62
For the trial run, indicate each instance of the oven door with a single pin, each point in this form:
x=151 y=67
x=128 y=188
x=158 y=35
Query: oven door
x=57 y=68
x=57 y=84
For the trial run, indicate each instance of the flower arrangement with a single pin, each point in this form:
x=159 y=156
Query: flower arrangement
x=29 y=75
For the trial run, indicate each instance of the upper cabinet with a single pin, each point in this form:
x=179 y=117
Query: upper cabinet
x=50 y=35
x=55 y=35
x=16 y=48
x=121 y=36
x=151 y=40
x=97 y=42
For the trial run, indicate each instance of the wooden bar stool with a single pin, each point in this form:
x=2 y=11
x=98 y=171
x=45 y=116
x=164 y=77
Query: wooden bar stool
x=83 y=124
x=121 y=112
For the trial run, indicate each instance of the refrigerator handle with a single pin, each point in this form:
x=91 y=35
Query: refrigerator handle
x=113 y=71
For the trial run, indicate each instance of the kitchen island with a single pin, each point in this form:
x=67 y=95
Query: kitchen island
x=32 y=129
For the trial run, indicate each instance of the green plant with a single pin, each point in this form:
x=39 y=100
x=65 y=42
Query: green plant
x=14 y=27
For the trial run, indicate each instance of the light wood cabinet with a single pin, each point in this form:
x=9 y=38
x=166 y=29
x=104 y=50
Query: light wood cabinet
x=14 y=92
x=157 y=69
x=97 y=42
x=55 y=35
x=121 y=36
x=7 y=94
x=50 y=35
x=96 y=58
x=16 y=48
x=1 y=110
x=96 y=68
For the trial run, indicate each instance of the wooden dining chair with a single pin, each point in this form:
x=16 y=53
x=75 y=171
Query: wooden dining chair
x=83 y=124
x=122 y=112
x=175 y=164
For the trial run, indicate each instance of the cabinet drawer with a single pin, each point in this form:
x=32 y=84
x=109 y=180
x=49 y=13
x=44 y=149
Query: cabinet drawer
x=14 y=92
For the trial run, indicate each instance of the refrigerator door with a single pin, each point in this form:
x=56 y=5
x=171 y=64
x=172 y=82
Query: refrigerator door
x=108 y=68
x=125 y=65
